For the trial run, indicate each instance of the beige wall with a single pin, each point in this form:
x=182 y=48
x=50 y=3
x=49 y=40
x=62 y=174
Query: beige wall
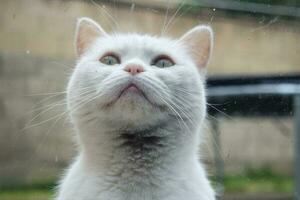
x=244 y=44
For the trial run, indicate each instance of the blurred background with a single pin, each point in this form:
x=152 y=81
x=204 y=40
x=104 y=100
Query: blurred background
x=250 y=157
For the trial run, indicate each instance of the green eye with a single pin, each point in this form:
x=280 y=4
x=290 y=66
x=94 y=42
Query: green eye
x=110 y=60
x=163 y=62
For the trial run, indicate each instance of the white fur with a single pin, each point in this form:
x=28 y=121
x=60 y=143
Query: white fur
x=108 y=169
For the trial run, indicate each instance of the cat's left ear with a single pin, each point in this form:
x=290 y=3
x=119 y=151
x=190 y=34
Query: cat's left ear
x=199 y=43
x=87 y=31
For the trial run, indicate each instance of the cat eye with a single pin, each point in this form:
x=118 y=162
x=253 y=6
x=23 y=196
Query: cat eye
x=110 y=59
x=163 y=61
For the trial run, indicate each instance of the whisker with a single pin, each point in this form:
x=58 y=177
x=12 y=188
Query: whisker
x=165 y=19
x=45 y=94
x=173 y=22
x=49 y=119
x=109 y=16
x=173 y=16
x=223 y=113
x=170 y=104
x=52 y=106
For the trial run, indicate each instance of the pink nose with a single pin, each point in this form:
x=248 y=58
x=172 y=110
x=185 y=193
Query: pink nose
x=134 y=69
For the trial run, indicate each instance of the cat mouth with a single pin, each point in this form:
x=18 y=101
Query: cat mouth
x=133 y=93
x=131 y=88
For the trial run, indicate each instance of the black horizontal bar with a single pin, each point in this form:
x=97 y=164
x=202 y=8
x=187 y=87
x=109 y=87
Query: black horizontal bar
x=260 y=104
x=252 y=80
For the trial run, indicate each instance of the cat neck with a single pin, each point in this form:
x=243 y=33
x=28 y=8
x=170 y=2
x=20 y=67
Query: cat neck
x=162 y=147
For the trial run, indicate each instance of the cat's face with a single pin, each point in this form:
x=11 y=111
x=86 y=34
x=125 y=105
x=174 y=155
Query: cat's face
x=137 y=79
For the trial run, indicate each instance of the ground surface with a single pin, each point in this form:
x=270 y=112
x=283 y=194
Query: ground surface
x=252 y=185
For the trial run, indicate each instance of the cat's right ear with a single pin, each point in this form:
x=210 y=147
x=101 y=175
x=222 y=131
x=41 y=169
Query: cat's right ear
x=87 y=31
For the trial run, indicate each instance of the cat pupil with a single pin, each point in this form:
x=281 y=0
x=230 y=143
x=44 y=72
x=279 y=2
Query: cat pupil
x=164 y=63
x=109 y=60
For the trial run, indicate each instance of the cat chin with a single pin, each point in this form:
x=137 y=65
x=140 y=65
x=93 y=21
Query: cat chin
x=133 y=120
x=131 y=109
x=129 y=101
x=128 y=108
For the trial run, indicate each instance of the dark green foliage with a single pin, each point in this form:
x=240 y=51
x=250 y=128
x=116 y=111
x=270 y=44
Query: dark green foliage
x=274 y=2
x=262 y=180
x=38 y=186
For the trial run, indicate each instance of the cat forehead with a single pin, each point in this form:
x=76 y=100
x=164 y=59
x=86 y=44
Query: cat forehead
x=136 y=42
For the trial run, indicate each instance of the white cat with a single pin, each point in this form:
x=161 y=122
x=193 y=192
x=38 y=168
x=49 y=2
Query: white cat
x=137 y=103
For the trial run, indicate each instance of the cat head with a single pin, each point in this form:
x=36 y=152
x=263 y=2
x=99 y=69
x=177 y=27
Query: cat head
x=132 y=79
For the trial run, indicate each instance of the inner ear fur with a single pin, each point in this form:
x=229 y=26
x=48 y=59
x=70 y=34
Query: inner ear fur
x=87 y=31
x=199 y=42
